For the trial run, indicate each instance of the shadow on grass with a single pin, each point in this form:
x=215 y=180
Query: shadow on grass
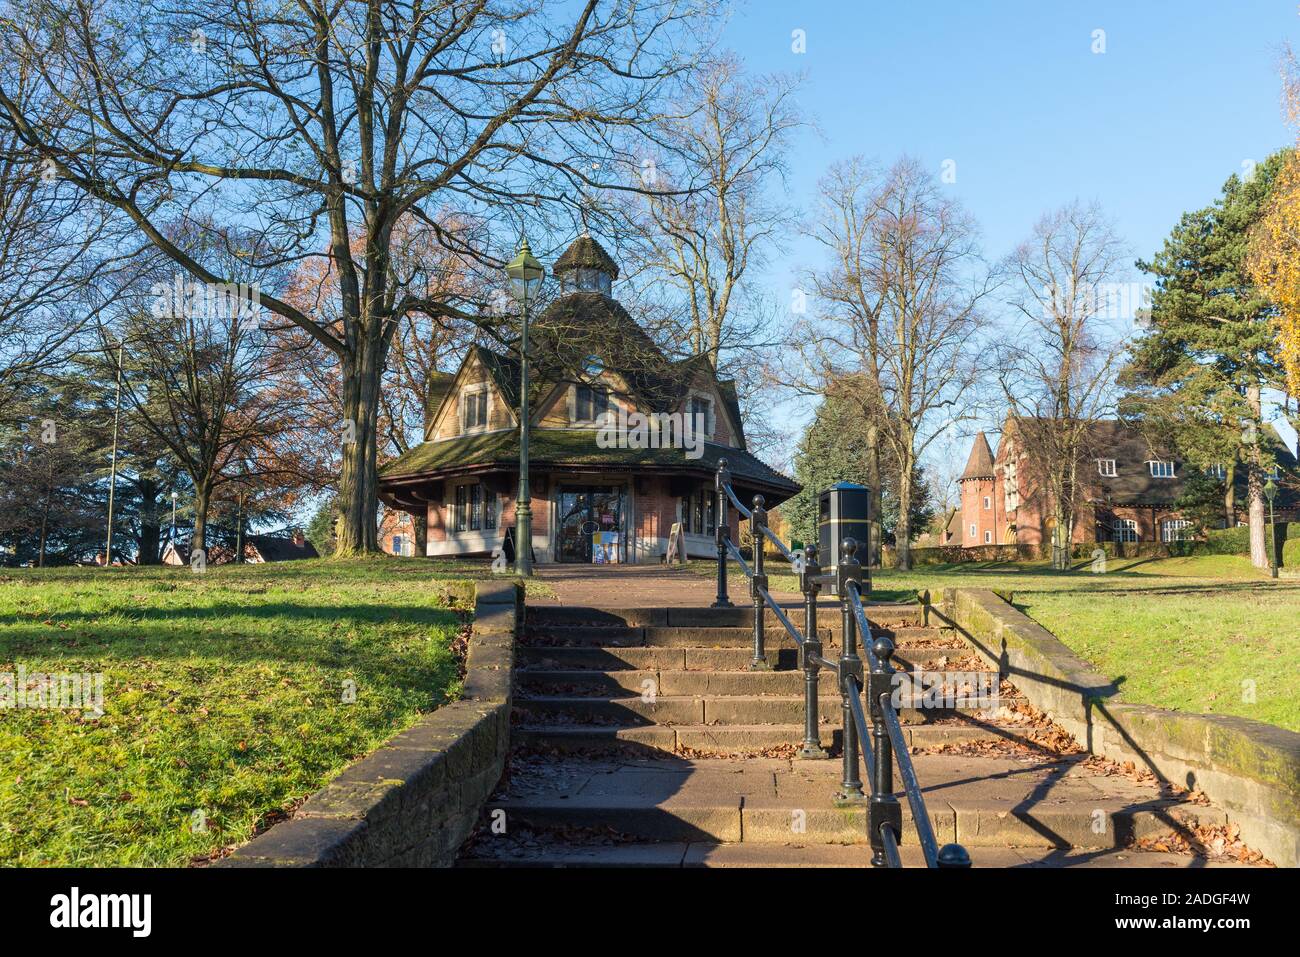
x=137 y=632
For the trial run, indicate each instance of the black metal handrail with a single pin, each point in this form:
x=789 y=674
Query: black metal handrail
x=880 y=739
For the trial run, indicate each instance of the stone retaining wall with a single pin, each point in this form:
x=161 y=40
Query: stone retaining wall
x=1250 y=769
x=414 y=800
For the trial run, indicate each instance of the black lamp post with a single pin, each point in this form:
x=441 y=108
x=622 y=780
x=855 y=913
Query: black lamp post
x=525 y=274
x=1270 y=493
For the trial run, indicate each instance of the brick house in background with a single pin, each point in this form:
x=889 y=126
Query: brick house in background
x=397 y=533
x=1129 y=490
x=591 y=504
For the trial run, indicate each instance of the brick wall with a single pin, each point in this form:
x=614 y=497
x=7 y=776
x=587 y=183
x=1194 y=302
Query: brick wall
x=413 y=801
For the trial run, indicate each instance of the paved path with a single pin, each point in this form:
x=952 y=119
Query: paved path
x=645 y=586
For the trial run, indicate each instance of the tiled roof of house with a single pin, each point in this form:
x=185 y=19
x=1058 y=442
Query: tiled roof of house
x=578 y=448
x=1134 y=484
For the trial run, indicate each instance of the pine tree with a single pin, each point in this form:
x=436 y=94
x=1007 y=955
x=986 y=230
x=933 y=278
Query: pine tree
x=1198 y=373
x=836 y=448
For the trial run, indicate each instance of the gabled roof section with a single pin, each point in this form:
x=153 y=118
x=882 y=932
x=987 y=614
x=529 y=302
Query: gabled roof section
x=980 y=463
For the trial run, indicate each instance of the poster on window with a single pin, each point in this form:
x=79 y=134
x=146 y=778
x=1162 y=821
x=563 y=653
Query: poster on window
x=604 y=548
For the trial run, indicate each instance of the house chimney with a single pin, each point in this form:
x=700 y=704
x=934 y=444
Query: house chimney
x=299 y=539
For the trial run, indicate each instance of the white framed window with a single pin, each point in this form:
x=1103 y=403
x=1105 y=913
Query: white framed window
x=1125 y=530
x=1274 y=473
x=988 y=501
x=1161 y=469
x=972 y=530
x=1011 y=489
x=1176 y=530
x=473 y=408
x=1106 y=468
x=1219 y=472
x=988 y=538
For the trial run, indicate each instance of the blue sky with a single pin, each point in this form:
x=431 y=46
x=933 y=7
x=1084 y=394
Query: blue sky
x=1184 y=94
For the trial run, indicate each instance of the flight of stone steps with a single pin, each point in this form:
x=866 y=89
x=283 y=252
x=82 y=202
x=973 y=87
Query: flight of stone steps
x=642 y=737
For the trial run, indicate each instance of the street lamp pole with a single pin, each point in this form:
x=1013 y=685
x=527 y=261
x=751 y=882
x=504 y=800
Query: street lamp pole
x=1270 y=493
x=174 y=497
x=525 y=274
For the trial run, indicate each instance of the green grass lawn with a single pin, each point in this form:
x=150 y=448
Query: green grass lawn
x=1206 y=633
x=224 y=696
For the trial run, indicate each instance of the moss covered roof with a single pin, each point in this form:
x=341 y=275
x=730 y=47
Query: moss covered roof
x=573 y=447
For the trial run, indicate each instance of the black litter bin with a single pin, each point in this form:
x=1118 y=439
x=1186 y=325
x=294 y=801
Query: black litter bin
x=843 y=511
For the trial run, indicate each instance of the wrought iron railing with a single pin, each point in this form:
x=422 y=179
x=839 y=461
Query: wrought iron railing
x=873 y=735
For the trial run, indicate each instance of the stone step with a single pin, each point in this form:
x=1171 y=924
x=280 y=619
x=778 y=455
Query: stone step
x=735 y=739
x=670 y=682
x=979 y=801
x=886 y=615
x=489 y=852
x=779 y=821
x=782 y=658
x=621 y=684
x=690 y=709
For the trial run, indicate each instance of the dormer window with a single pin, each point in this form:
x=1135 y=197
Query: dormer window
x=474 y=409
x=590 y=403
x=1161 y=469
x=1106 y=468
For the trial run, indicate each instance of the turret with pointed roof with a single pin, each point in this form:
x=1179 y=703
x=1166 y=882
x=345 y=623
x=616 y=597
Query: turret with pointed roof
x=586 y=267
x=980 y=463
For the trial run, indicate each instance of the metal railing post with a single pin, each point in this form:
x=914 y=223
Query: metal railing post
x=722 y=531
x=810 y=653
x=952 y=856
x=758 y=583
x=848 y=570
x=884 y=809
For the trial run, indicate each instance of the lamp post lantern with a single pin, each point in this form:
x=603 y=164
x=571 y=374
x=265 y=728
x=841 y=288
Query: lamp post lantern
x=1270 y=493
x=175 y=496
x=525 y=274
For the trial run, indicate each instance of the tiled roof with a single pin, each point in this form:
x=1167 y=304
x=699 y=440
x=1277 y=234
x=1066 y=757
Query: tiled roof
x=578 y=448
x=584 y=252
x=980 y=463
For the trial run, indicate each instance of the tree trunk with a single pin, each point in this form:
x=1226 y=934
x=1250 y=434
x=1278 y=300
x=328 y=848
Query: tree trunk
x=421 y=524
x=45 y=521
x=1255 y=487
x=903 y=531
x=358 y=482
x=198 y=541
x=872 y=557
x=150 y=527
x=1230 y=498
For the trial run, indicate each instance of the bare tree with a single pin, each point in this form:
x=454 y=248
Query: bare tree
x=203 y=380
x=902 y=310
x=56 y=271
x=326 y=124
x=1057 y=369
x=713 y=217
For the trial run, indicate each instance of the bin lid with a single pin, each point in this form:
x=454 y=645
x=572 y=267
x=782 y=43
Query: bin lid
x=848 y=485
